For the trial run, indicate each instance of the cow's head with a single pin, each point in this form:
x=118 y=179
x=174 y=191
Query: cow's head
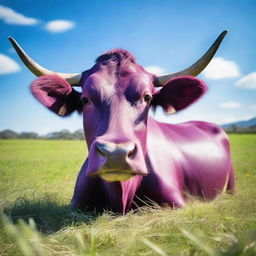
x=115 y=99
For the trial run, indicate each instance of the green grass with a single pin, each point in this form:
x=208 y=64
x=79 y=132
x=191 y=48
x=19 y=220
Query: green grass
x=37 y=179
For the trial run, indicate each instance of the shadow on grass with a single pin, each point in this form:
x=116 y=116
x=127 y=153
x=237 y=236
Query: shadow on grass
x=49 y=214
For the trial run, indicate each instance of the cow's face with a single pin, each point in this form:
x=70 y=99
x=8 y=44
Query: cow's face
x=116 y=96
x=115 y=99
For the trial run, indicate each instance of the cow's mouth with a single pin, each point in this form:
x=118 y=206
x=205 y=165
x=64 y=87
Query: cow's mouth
x=112 y=176
x=115 y=162
x=116 y=175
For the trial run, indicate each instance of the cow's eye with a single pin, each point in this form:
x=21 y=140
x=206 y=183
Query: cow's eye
x=148 y=98
x=84 y=100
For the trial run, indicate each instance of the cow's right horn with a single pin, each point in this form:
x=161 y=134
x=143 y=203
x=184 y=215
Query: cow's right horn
x=197 y=67
x=36 y=69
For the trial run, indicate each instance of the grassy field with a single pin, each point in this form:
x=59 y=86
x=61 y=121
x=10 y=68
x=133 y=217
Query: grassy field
x=37 y=179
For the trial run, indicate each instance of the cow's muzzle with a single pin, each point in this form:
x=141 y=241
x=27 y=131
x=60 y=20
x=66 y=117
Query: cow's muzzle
x=115 y=161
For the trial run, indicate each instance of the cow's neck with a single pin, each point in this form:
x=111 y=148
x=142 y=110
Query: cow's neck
x=121 y=194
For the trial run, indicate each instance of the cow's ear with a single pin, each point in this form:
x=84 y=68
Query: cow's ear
x=178 y=93
x=56 y=94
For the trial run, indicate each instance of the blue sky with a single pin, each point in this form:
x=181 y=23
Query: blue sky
x=165 y=36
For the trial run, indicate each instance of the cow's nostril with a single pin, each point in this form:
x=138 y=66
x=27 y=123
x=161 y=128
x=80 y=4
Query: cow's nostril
x=132 y=151
x=113 y=150
x=101 y=150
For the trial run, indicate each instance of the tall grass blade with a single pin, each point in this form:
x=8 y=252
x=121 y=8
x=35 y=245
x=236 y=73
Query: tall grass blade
x=200 y=243
x=26 y=236
x=21 y=241
x=81 y=243
x=93 y=244
x=153 y=246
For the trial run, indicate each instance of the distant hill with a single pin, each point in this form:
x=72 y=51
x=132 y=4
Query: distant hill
x=243 y=124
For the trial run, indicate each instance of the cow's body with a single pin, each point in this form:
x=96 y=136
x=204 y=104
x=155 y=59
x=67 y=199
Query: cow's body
x=132 y=158
x=189 y=159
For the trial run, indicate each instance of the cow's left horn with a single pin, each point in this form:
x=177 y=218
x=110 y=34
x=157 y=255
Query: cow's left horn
x=198 y=66
x=38 y=70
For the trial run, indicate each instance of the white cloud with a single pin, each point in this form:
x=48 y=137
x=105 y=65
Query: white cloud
x=155 y=70
x=58 y=26
x=230 y=105
x=8 y=65
x=9 y=16
x=253 y=107
x=248 y=81
x=221 y=68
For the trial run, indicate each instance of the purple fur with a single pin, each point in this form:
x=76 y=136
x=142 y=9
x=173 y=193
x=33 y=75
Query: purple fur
x=119 y=55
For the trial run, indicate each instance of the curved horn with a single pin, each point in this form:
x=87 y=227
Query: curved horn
x=38 y=70
x=198 y=66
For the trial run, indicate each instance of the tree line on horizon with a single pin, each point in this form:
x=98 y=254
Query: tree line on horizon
x=79 y=134
x=60 y=135
x=239 y=129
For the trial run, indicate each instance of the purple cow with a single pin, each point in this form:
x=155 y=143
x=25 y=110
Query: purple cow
x=133 y=158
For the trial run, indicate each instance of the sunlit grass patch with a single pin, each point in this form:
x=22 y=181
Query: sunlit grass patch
x=37 y=182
